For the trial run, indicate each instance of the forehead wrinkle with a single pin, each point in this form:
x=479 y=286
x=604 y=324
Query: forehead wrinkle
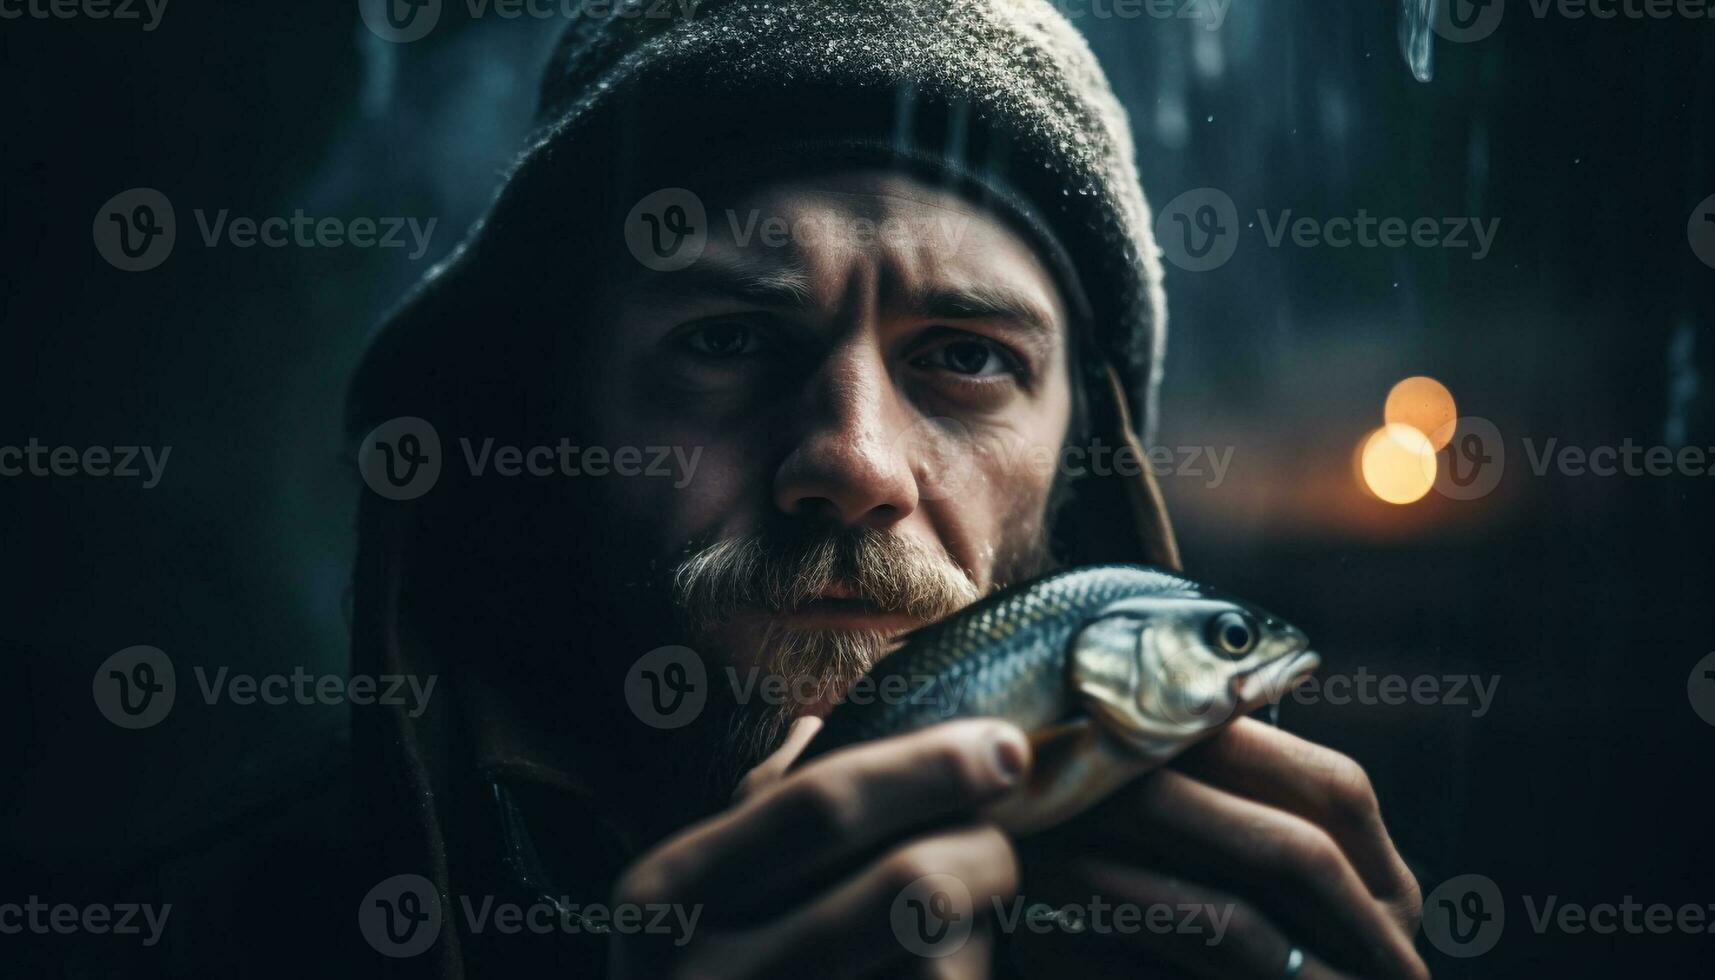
x=737 y=275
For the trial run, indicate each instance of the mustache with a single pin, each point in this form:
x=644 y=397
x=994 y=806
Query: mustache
x=779 y=571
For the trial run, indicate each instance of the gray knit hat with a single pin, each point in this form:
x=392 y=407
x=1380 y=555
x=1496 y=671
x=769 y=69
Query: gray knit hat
x=1005 y=72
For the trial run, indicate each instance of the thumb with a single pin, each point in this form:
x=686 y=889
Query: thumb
x=770 y=770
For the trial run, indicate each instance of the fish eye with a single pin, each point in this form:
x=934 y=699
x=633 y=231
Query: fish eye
x=1232 y=633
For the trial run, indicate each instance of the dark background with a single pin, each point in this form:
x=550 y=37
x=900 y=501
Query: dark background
x=1589 y=598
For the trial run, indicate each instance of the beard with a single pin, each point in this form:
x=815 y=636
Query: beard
x=757 y=577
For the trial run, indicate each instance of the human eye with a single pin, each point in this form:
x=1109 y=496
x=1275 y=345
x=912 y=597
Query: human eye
x=719 y=339
x=971 y=358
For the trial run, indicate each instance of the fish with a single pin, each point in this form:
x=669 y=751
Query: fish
x=1111 y=670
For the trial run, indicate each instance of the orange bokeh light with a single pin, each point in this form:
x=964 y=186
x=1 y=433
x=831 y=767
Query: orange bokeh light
x=1426 y=405
x=1397 y=462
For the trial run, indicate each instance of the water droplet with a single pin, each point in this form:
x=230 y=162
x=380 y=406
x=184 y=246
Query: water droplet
x=1416 y=39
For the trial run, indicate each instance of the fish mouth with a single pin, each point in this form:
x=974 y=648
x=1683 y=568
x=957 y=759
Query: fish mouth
x=1271 y=681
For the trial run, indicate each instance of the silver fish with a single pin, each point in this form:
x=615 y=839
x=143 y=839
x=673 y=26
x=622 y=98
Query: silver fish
x=1112 y=670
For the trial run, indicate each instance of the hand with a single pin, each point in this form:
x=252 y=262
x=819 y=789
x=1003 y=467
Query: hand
x=1278 y=843
x=799 y=878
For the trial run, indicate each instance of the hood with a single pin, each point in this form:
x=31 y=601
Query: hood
x=1001 y=96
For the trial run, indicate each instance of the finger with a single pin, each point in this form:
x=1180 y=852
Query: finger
x=1304 y=876
x=858 y=928
x=1179 y=929
x=818 y=820
x=770 y=770
x=1317 y=783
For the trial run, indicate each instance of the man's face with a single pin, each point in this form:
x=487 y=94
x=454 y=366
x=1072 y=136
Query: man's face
x=877 y=394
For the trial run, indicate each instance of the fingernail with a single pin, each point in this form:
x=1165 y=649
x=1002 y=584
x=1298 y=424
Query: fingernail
x=1011 y=755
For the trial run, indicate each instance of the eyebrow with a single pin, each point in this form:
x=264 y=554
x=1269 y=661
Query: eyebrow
x=984 y=301
x=785 y=286
x=789 y=287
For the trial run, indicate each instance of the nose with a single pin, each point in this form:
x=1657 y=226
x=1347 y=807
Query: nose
x=843 y=466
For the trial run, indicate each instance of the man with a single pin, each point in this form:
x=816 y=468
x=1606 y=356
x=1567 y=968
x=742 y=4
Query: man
x=869 y=265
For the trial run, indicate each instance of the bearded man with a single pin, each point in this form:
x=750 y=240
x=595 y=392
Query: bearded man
x=869 y=265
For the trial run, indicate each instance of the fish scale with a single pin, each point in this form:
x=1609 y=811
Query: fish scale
x=1004 y=656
